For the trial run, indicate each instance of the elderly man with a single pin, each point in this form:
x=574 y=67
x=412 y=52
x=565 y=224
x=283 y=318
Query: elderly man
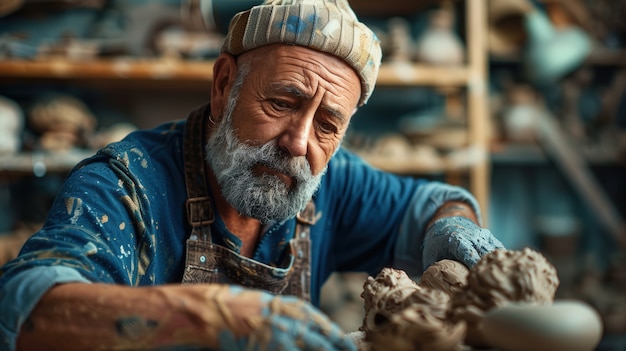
x=250 y=202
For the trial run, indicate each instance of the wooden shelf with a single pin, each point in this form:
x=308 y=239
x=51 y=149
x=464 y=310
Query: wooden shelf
x=414 y=165
x=403 y=165
x=533 y=154
x=180 y=71
x=414 y=74
x=118 y=69
x=41 y=163
x=599 y=56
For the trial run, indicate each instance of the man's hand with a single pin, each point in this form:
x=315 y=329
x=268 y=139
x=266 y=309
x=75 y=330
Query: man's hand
x=283 y=323
x=457 y=238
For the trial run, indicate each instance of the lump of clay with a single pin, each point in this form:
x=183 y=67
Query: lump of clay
x=501 y=277
x=448 y=276
x=385 y=294
x=401 y=315
x=505 y=301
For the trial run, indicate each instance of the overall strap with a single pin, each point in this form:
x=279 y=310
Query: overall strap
x=199 y=205
x=300 y=283
x=306 y=217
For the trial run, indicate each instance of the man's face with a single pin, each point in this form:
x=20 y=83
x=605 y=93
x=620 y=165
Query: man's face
x=280 y=128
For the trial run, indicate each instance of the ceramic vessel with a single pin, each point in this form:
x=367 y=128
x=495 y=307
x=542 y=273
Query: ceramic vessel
x=565 y=325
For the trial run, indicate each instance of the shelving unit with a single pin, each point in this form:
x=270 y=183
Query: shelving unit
x=149 y=74
x=472 y=77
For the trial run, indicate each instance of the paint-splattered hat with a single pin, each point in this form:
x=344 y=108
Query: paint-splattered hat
x=325 y=25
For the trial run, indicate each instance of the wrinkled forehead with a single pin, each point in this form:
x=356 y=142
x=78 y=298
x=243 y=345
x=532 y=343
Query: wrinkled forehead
x=302 y=69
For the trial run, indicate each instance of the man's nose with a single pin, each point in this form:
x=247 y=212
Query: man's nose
x=295 y=138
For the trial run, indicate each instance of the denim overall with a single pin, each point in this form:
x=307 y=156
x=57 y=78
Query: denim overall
x=207 y=262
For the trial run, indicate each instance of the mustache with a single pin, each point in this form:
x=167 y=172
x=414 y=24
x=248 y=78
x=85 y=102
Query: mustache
x=278 y=159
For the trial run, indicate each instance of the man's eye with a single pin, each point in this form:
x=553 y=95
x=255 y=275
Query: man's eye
x=280 y=104
x=327 y=128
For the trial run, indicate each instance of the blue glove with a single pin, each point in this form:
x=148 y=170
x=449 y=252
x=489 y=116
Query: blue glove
x=457 y=238
x=286 y=323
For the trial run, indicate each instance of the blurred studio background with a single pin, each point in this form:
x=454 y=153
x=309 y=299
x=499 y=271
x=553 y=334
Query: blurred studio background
x=521 y=101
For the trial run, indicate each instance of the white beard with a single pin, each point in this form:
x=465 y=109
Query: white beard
x=264 y=197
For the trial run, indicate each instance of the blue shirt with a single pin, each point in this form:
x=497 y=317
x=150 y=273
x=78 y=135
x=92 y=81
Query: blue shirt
x=120 y=218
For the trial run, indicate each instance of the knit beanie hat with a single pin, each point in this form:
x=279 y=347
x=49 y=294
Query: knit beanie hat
x=325 y=25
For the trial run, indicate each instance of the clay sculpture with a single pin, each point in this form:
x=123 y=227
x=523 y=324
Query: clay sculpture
x=506 y=301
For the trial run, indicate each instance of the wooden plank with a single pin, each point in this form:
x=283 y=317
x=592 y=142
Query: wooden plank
x=408 y=74
x=478 y=114
x=121 y=68
x=41 y=163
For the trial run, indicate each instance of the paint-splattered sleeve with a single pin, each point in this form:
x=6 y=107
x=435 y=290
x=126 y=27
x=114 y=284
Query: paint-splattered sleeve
x=74 y=245
x=110 y=222
x=95 y=226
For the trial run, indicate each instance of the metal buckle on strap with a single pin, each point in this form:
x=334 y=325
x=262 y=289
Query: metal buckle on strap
x=199 y=211
x=308 y=216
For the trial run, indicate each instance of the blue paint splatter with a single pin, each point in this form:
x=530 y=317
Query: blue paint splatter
x=297 y=25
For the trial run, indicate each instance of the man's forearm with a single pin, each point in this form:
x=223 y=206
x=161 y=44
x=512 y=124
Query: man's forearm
x=79 y=316
x=454 y=209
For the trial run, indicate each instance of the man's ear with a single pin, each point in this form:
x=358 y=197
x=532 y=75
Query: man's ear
x=224 y=74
